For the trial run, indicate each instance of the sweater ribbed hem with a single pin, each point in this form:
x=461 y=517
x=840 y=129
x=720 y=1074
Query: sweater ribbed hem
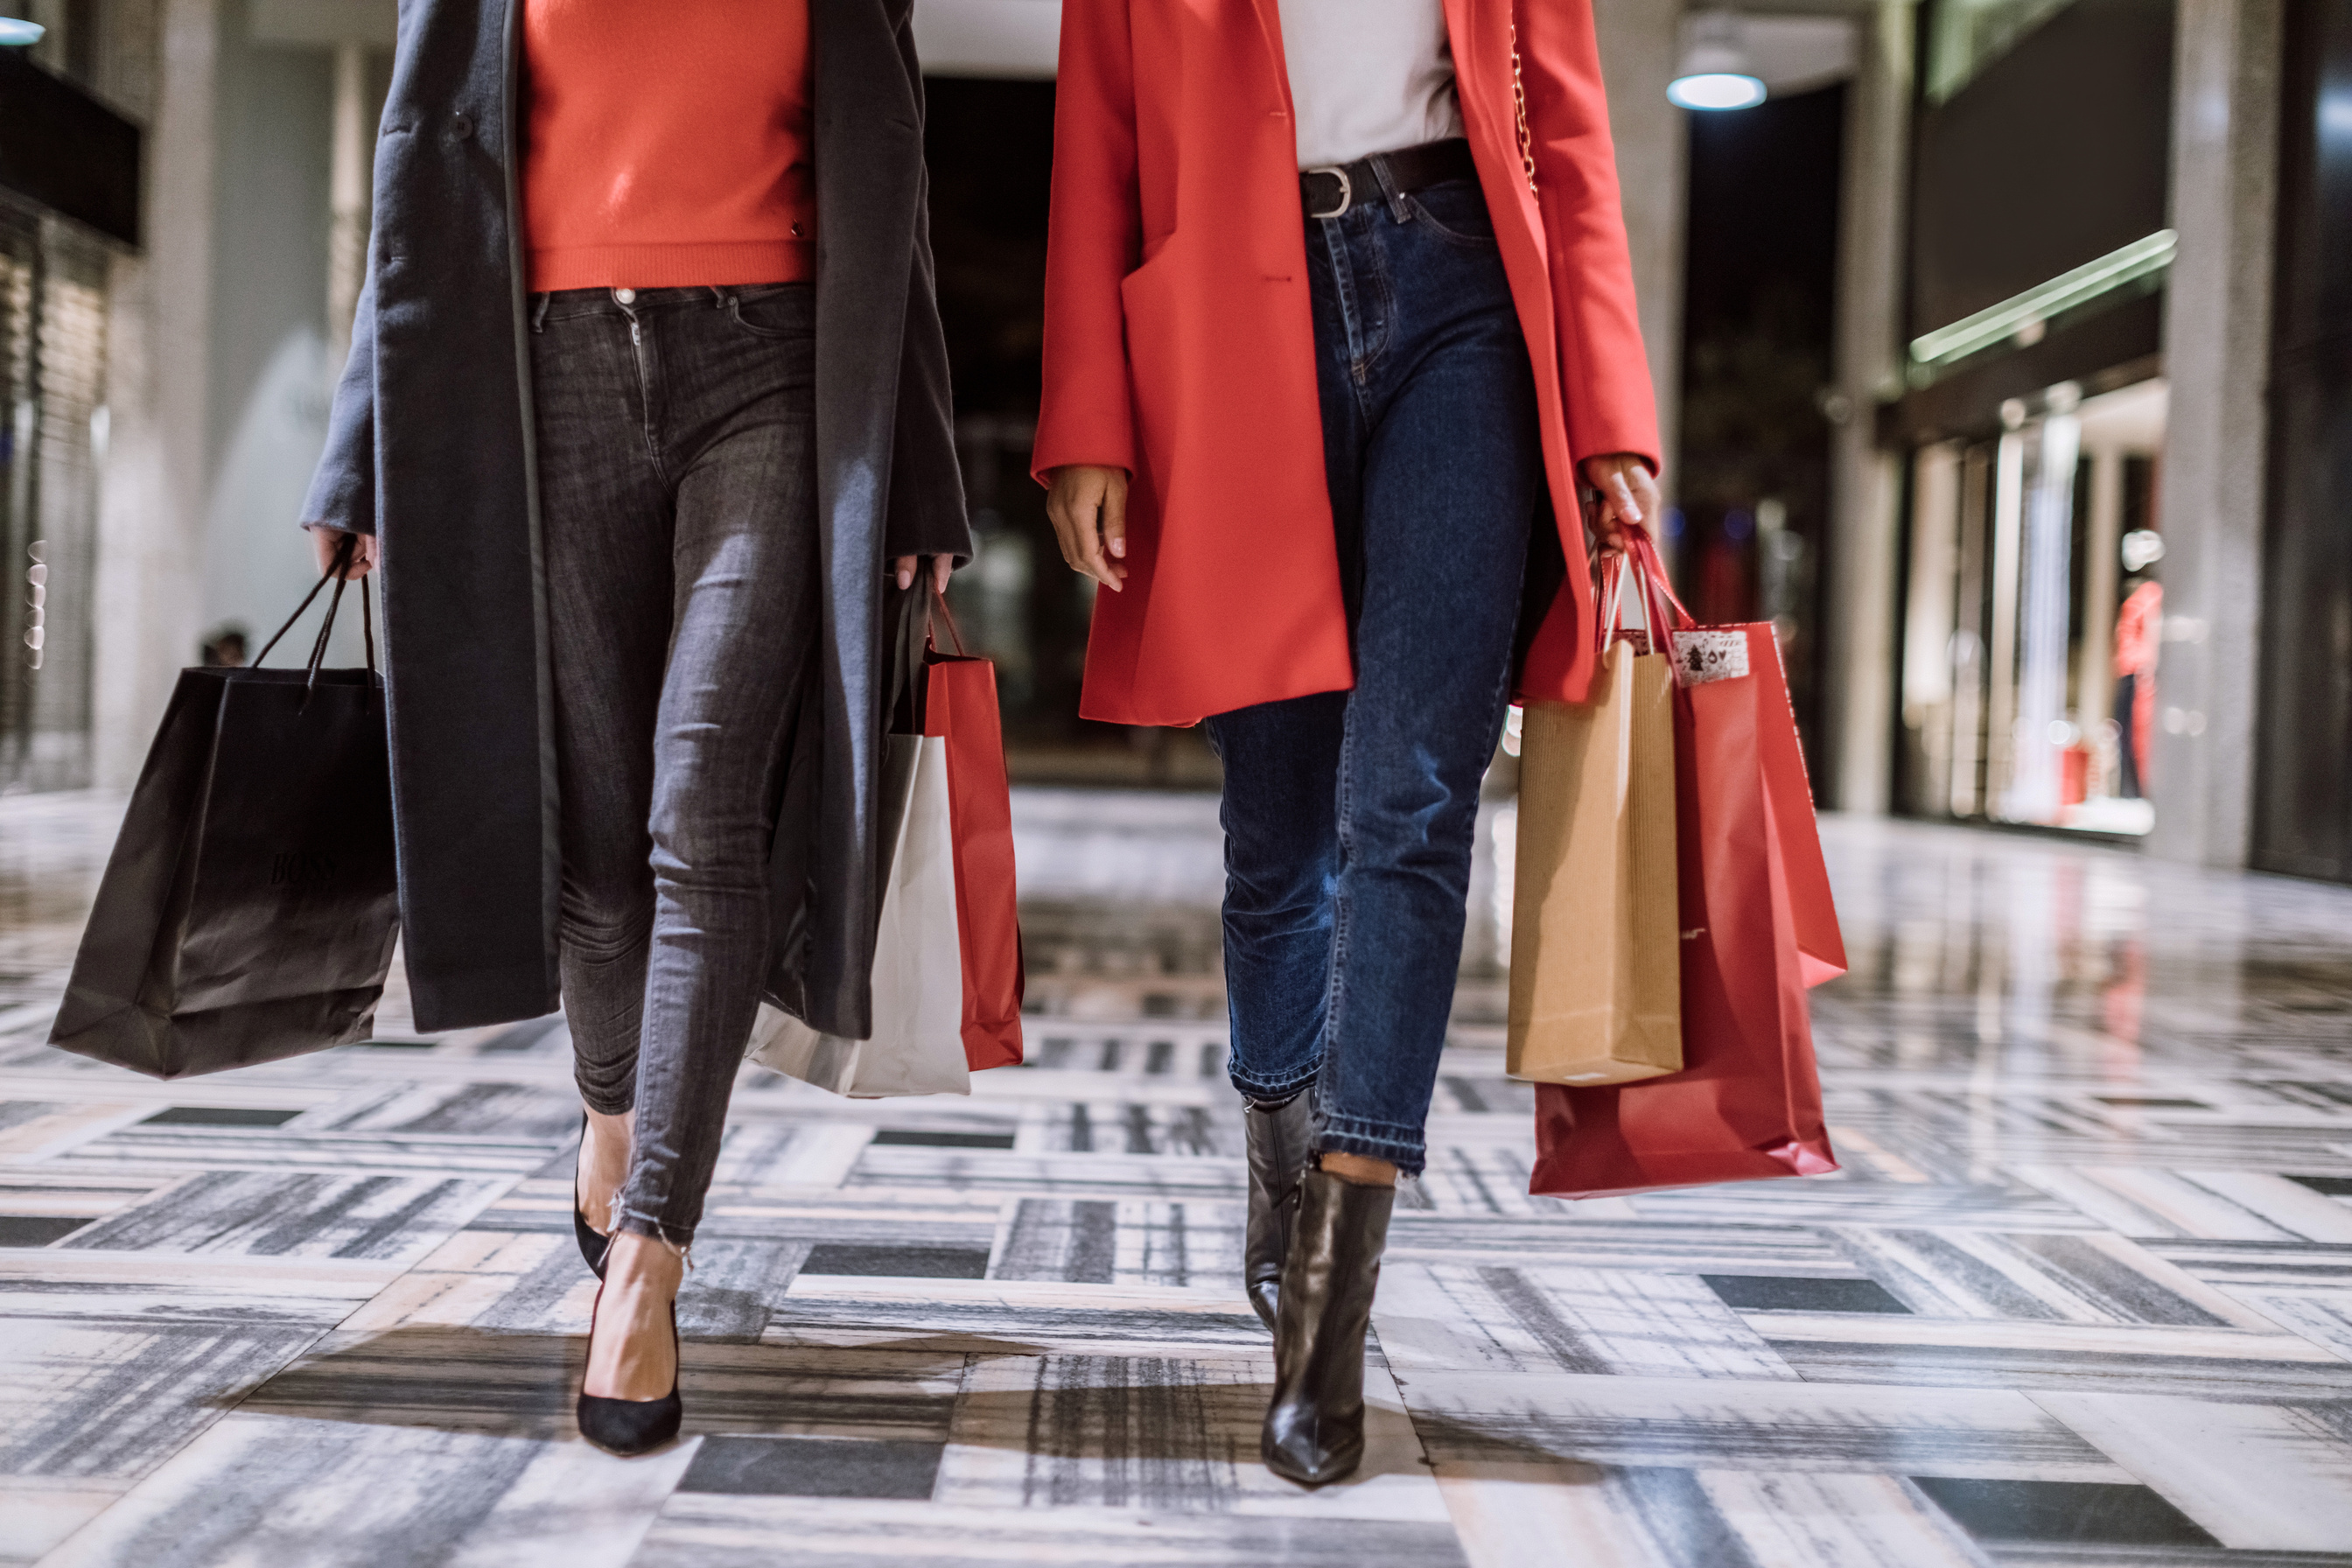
x=698 y=265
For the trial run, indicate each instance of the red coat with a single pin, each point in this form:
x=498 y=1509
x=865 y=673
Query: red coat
x=1179 y=341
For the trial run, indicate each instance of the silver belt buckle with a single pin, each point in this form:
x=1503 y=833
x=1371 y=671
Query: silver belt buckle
x=1346 y=191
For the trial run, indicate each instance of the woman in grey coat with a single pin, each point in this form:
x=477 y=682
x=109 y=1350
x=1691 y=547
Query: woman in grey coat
x=646 y=419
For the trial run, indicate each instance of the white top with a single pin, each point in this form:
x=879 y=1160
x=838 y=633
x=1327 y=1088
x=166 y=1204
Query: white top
x=1368 y=75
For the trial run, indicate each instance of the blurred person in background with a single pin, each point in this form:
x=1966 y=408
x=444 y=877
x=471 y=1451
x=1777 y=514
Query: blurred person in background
x=652 y=477
x=224 y=649
x=1333 y=327
x=2138 y=627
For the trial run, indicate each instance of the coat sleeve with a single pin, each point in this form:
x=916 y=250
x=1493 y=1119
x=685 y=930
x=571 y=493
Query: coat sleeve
x=1094 y=239
x=342 y=489
x=1604 y=373
x=927 y=512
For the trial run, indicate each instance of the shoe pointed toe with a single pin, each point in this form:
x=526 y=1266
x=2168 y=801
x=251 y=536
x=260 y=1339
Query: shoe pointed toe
x=1302 y=1453
x=627 y=1427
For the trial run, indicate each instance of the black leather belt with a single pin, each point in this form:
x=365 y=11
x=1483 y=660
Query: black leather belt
x=1385 y=176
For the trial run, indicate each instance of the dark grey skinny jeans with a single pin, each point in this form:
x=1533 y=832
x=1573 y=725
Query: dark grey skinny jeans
x=677 y=485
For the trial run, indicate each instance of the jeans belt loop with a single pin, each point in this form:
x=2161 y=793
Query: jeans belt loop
x=539 y=310
x=1379 y=163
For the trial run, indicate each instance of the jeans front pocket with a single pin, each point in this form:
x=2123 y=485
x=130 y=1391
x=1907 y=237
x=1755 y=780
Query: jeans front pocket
x=1457 y=211
x=780 y=311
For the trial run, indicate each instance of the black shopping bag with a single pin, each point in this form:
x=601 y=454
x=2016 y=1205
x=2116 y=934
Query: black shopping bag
x=249 y=908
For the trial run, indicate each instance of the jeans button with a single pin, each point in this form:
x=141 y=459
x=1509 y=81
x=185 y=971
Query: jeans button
x=460 y=127
x=625 y=296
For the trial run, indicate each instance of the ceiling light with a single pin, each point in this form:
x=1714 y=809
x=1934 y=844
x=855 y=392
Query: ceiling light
x=1715 y=72
x=15 y=33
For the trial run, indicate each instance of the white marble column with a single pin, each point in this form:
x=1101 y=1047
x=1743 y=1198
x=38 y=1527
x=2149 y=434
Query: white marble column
x=347 y=200
x=1857 y=607
x=152 y=495
x=1638 y=44
x=2217 y=342
x=2095 y=681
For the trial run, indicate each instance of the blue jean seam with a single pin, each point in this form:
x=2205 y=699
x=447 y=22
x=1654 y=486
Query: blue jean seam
x=1368 y=1127
x=1259 y=1088
x=1343 y=289
x=1382 y=291
x=1404 y=1148
x=1499 y=707
x=1334 y=985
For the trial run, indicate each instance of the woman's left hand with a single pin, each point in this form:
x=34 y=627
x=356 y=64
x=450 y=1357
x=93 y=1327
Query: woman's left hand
x=1629 y=498
x=942 y=567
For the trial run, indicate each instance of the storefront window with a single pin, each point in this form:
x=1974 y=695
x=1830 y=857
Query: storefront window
x=2031 y=628
x=52 y=357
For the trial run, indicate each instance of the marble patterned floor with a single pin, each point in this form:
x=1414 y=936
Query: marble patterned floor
x=2081 y=1296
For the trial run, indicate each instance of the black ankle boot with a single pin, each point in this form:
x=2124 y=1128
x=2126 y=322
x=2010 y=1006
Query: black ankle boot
x=1281 y=1141
x=627 y=1427
x=1314 y=1427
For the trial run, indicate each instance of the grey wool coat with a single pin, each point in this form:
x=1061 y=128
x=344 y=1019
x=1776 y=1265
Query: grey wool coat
x=430 y=447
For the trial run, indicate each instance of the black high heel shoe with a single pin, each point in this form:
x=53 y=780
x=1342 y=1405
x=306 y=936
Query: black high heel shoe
x=627 y=1427
x=1281 y=1141
x=592 y=1246
x=1315 y=1426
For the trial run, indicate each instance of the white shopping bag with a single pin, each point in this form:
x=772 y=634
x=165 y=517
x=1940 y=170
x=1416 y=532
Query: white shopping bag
x=918 y=1042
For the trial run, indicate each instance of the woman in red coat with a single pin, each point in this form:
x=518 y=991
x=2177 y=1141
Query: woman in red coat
x=1338 y=306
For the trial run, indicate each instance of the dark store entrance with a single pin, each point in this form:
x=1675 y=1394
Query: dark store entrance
x=1745 y=542
x=990 y=147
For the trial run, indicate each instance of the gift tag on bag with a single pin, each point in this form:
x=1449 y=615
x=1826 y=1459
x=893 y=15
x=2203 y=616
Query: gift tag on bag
x=1701 y=657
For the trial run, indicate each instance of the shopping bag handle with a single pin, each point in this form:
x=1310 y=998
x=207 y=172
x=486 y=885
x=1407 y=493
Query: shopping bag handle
x=938 y=608
x=1660 y=611
x=1665 y=612
x=334 y=574
x=1611 y=612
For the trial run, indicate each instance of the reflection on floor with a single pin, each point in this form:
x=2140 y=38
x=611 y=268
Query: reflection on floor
x=2082 y=1295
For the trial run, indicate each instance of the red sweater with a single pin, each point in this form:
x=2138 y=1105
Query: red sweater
x=668 y=146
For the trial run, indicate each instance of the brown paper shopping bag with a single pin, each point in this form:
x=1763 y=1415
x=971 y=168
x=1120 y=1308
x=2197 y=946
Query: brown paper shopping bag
x=1596 y=983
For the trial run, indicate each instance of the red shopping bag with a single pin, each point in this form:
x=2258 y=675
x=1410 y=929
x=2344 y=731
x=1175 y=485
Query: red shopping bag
x=1758 y=928
x=961 y=706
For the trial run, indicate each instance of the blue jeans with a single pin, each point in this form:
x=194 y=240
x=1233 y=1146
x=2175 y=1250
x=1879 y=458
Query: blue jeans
x=1350 y=817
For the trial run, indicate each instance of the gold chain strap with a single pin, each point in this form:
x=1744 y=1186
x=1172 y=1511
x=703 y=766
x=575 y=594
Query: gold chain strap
x=1519 y=105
